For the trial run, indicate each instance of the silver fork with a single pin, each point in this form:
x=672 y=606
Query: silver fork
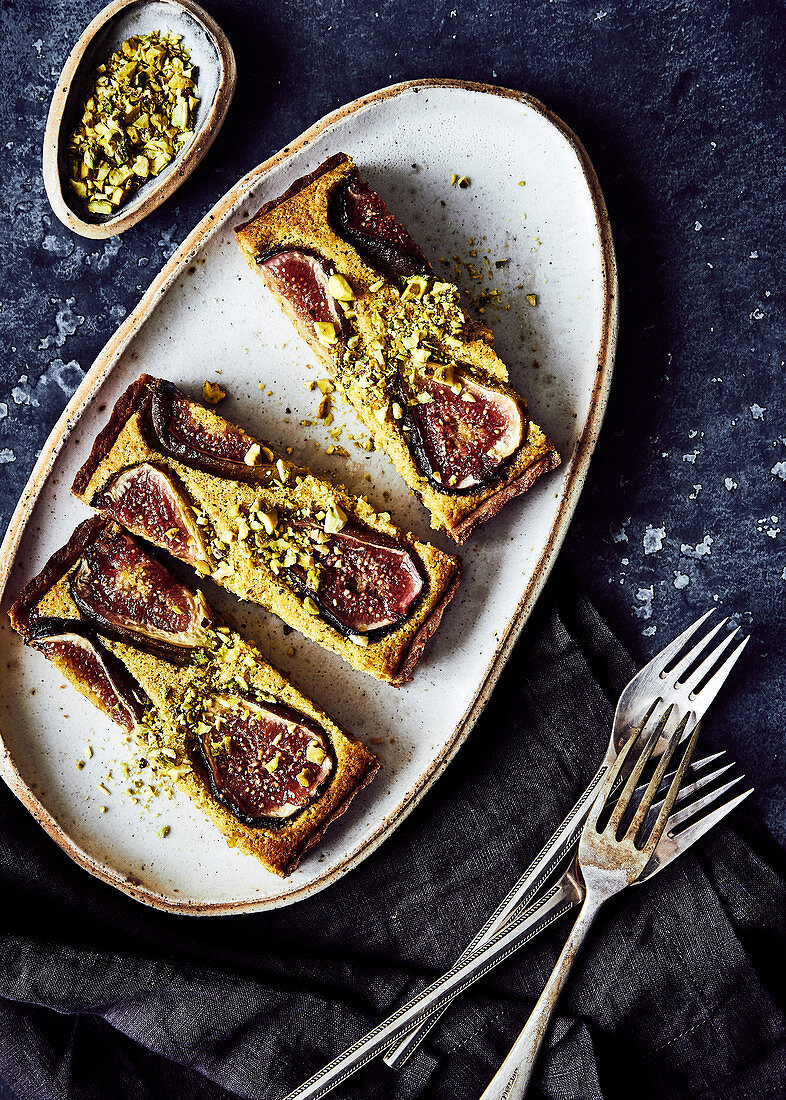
x=608 y=863
x=707 y=812
x=661 y=678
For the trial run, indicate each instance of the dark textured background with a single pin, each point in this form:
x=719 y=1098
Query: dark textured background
x=680 y=106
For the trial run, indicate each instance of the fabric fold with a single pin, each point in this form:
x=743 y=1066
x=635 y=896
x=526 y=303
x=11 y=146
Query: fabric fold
x=675 y=990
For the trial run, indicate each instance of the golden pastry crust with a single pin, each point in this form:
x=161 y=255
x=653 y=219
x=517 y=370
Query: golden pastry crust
x=279 y=847
x=225 y=504
x=299 y=219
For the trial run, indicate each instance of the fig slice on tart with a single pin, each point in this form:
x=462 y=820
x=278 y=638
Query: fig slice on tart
x=263 y=761
x=368 y=582
x=184 y=430
x=360 y=216
x=152 y=502
x=72 y=642
x=128 y=595
x=462 y=430
x=301 y=278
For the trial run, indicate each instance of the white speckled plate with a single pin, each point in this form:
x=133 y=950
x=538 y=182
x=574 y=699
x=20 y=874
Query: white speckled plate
x=206 y=312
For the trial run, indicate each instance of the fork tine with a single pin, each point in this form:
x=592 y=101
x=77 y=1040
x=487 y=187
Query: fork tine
x=693 y=654
x=614 y=772
x=689 y=790
x=705 y=696
x=634 y=828
x=660 y=660
x=668 y=803
x=690 y=835
x=630 y=786
x=710 y=661
x=685 y=813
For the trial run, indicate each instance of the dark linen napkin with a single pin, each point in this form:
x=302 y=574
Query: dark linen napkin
x=679 y=992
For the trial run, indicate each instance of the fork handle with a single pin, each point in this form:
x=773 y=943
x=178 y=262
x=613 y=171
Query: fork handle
x=512 y=1079
x=528 y=886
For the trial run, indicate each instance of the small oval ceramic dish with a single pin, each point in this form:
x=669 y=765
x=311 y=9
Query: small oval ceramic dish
x=211 y=55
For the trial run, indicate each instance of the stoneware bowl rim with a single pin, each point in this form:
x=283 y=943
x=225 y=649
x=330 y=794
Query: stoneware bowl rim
x=144 y=203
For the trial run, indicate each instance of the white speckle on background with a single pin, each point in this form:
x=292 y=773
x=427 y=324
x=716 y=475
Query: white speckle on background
x=695 y=493
x=696 y=226
x=730 y=483
x=37 y=46
x=22 y=394
x=645 y=597
x=691 y=457
x=681 y=580
x=754 y=255
x=653 y=539
x=621 y=535
x=757 y=314
x=767 y=527
x=66 y=322
x=701 y=550
x=66 y=375
x=757 y=412
x=7 y=455
x=4 y=412
x=648 y=631
x=779 y=470
x=600 y=15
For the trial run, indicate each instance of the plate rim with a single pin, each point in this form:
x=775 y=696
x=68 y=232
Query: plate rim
x=577 y=467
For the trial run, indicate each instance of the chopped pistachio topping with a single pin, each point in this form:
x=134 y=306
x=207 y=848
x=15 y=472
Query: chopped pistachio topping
x=315 y=754
x=252 y=455
x=340 y=289
x=164 y=831
x=304 y=778
x=359 y=640
x=326 y=332
x=532 y=299
x=212 y=393
x=136 y=119
x=335 y=519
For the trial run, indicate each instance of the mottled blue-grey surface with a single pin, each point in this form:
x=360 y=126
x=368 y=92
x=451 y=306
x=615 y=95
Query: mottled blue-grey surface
x=680 y=106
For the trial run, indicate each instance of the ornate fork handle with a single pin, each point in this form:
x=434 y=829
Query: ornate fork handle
x=552 y=905
x=512 y=1079
x=528 y=886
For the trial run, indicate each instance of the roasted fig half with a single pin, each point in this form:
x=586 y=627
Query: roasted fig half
x=301 y=279
x=359 y=216
x=462 y=431
x=130 y=596
x=152 y=502
x=368 y=584
x=263 y=761
x=108 y=678
x=227 y=451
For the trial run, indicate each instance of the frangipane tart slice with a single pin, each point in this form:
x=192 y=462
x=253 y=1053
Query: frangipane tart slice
x=179 y=475
x=421 y=376
x=269 y=769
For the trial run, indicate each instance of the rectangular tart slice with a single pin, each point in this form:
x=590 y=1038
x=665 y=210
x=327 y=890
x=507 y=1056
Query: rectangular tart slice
x=421 y=376
x=268 y=768
x=181 y=476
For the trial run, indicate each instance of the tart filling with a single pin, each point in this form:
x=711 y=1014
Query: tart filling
x=263 y=761
x=323 y=561
x=153 y=503
x=398 y=344
x=130 y=596
x=268 y=768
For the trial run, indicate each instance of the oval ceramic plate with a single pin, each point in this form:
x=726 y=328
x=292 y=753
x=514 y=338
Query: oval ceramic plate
x=207 y=313
x=214 y=60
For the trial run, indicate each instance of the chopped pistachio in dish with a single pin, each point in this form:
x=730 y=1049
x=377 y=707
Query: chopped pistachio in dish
x=135 y=120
